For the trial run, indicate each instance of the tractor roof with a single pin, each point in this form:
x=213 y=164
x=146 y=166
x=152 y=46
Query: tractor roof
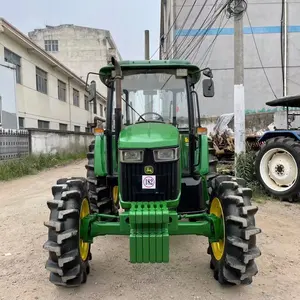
x=193 y=70
x=291 y=101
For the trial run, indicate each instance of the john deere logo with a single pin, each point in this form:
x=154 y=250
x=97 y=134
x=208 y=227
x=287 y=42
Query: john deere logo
x=149 y=170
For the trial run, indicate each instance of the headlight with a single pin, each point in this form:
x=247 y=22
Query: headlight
x=166 y=154
x=131 y=156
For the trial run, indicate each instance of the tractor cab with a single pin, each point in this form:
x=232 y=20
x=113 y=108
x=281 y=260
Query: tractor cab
x=155 y=123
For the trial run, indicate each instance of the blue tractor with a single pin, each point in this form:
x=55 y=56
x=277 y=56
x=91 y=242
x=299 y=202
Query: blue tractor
x=278 y=160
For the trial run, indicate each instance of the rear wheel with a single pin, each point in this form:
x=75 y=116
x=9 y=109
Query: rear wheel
x=69 y=256
x=232 y=257
x=103 y=199
x=277 y=167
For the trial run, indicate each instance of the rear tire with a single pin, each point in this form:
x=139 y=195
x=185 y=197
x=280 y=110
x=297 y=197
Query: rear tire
x=232 y=259
x=66 y=263
x=99 y=194
x=283 y=154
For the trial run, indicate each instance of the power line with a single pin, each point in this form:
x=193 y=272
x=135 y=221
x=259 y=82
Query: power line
x=166 y=35
x=196 y=52
x=233 y=9
x=259 y=57
x=191 y=27
x=181 y=27
x=202 y=27
x=200 y=41
x=210 y=48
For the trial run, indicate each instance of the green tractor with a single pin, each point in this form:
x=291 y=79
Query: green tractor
x=153 y=159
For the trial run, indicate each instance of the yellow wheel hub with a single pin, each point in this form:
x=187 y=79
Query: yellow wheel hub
x=115 y=194
x=218 y=247
x=84 y=247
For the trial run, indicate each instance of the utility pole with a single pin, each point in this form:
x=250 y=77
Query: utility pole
x=285 y=40
x=239 y=92
x=147 y=46
x=148 y=98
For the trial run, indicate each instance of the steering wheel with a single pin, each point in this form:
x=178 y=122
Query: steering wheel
x=151 y=113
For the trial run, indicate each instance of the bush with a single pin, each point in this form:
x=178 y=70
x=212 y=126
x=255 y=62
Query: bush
x=245 y=169
x=31 y=164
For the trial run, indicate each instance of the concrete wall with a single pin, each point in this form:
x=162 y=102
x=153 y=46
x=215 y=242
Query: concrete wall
x=45 y=141
x=33 y=105
x=82 y=49
x=265 y=19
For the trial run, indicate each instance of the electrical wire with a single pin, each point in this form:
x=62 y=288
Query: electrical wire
x=232 y=9
x=193 y=58
x=200 y=41
x=259 y=57
x=166 y=35
x=202 y=27
x=236 y=9
x=169 y=51
x=210 y=48
x=179 y=47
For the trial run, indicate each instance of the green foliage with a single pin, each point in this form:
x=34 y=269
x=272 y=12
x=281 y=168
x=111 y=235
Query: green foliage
x=32 y=164
x=245 y=166
x=245 y=169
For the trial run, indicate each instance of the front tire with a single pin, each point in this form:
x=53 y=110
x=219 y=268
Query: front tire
x=69 y=256
x=232 y=258
x=277 y=167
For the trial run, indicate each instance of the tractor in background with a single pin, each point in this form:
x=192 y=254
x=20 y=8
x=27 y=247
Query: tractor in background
x=158 y=167
x=278 y=160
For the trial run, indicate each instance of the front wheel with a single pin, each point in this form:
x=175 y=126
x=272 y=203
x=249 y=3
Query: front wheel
x=69 y=256
x=232 y=257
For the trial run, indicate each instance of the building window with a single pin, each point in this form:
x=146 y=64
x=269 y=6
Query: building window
x=62 y=90
x=21 y=123
x=87 y=129
x=63 y=127
x=41 y=81
x=101 y=110
x=86 y=102
x=15 y=59
x=43 y=124
x=51 y=45
x=76 y=97
x=95 y=106
x=77 y=128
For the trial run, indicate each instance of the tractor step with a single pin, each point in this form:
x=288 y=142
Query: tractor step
x=149 y=234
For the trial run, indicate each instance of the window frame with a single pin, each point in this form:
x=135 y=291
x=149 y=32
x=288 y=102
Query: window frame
x=43 y=122
x=76 y=98
x=62 y=125
x=51 y=45
x=41 y=84
x=15 y=59
x=61 y=90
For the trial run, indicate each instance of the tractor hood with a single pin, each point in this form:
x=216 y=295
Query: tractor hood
x=149 y=135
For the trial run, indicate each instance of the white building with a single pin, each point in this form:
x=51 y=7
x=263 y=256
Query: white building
x=48 y=94
x=82 y=49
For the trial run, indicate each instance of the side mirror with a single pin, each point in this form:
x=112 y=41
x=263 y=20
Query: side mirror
x=208 y=88
x=91 y=89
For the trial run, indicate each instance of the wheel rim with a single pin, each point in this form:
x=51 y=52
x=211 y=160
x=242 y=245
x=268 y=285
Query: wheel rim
x=218 y=247
x=278 y=169
x=84 y=247
x=115 y=194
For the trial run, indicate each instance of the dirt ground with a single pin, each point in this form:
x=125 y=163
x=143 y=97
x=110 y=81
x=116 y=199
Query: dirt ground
x=188 y=276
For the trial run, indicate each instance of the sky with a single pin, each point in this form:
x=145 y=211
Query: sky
x=125 y=19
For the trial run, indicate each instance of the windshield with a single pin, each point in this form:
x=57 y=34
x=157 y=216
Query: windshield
x=156 y=97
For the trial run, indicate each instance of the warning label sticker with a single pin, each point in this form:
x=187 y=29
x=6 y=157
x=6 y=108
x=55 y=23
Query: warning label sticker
x=148 y=182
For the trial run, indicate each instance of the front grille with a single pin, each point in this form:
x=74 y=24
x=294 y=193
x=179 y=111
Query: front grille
x=167 y=180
